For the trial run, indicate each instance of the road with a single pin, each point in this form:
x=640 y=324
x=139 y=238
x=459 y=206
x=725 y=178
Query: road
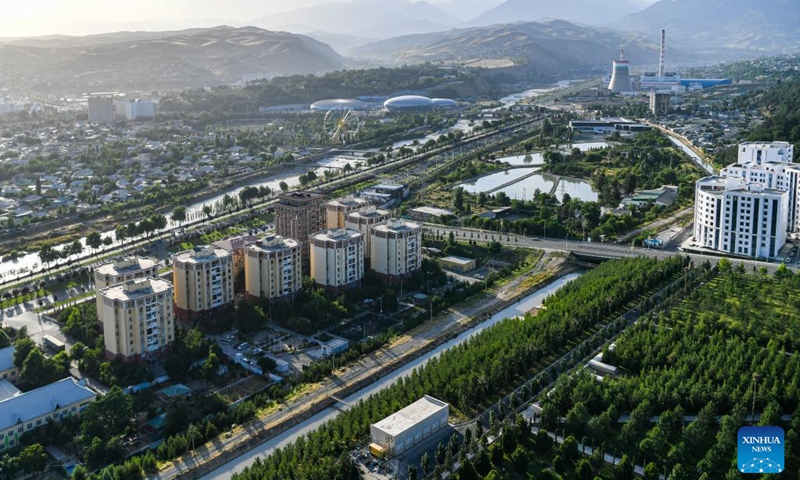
x=364 y=370
x=596 y=250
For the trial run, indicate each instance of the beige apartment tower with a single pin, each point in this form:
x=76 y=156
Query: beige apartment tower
x=123 y=269
x=298 y=215
x=272 y=268
x=203 y=278
x=101 y=107
x=137 y=319
x=337 y=210
x=362 y=221
x=337 y=258
x=396 y=248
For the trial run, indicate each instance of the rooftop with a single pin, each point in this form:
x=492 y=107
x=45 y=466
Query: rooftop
x=397 y=226
x=347 y=202
x=274 y=243
x=42 y=401
x=201 y=254
x=369 y=212
x=458 y=260
x=406 y=418
x=438 y=212
x=6 y=358
x=7 y=390
x=121 y=266
x=337 y=235
x=133 y=289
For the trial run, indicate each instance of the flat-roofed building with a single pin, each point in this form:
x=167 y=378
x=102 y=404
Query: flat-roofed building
x=124 y=269
x=298 y=215
x=336 y=210
x=457 y=264
x=400 y=431
x=235 y=246
x=362 y=221
x=19 y=414
x=396 y=248
x=203 y=280
x=8 y=371
x=137 y=318
x=337 y=258
x=273 y=268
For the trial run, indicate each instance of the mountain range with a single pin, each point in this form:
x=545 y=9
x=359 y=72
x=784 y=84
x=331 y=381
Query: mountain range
x=758 y=26
x=146 y=60
x=589 y=12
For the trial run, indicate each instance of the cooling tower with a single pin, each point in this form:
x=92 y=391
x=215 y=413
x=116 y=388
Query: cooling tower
x=620 y=75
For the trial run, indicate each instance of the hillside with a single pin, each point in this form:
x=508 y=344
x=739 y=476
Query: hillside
x=768 y=26
x=552 y=49
x=592 y=12
x=364 y=18
x=133 y=61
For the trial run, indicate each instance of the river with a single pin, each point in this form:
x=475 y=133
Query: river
x=526 y=304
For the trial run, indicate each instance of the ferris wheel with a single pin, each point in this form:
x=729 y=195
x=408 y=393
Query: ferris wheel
x=341 y=125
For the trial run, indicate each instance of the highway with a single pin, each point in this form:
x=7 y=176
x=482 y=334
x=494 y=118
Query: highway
x=587 y=249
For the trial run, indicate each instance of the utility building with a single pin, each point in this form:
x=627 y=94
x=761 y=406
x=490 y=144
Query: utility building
x=399 y=432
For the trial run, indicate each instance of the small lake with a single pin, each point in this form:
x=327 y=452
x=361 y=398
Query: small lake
x=523 y=160
x=494 y=180
x=586 y=146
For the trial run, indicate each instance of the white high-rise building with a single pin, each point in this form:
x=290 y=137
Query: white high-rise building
x=362 y=221
x=337 y=258
x=272 y=268
x=133 y=109
x=750 y=206
x=396 y=248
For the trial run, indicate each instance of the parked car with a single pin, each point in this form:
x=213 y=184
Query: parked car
x=479 y=276
x=243 y=346
x=258 y=351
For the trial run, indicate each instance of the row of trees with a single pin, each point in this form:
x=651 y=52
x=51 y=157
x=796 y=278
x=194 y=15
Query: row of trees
x=474 y=374
x=719 y=356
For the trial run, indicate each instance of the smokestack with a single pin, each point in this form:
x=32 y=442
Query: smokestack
x=661 y=58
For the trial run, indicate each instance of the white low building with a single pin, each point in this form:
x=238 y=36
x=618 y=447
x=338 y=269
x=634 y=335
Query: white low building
x=400 y=431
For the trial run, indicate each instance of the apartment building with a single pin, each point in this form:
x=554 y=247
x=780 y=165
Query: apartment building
x=396 y=248
x=124 y=269
x=337 y=258
x=362 y=221
x=203 y=280
x=298 y=215
x=137 y=318
x=336 y=210
x=273 y=268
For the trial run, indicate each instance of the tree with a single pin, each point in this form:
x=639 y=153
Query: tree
x=519 y=457
x=179 y=214
x=4 y=340
x=33 y=458
x=94 y=240
x=22 y=347
x=37 y=370
x=207 y=211
x=584 y=470
x=412 y=472
x=108 y=416
x=425 y=463
x=284 y=186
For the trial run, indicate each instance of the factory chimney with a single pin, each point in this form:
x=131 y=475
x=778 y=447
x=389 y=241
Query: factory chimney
x=661 y=58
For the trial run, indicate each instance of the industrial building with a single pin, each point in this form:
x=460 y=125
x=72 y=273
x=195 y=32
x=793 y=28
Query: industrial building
x=408 y=427
x=298 y=215
x=396 y=248
x=101 y=107
x=22 y=412
x=339 y=104
x=416 y=103
x=272 y=268
x=362 y=221
x=336 y=210
x=137 y=318
x=337 y=258
x=608 y=125
x=203 y=281
x=383 y=194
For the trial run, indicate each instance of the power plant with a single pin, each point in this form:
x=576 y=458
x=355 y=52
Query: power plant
x=620 y=75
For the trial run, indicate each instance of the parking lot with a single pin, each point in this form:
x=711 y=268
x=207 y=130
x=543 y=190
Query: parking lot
x=297 y=350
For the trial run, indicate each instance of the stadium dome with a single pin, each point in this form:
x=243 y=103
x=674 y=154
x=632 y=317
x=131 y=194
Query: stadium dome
x=338 y=103
x=444 y=103
x=408 y=103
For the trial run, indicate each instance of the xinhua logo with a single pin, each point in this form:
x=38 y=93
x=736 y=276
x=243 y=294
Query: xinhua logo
x=761 y=450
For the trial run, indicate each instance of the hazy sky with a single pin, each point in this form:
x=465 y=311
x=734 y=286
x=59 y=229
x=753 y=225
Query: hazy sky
x=81 y=17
